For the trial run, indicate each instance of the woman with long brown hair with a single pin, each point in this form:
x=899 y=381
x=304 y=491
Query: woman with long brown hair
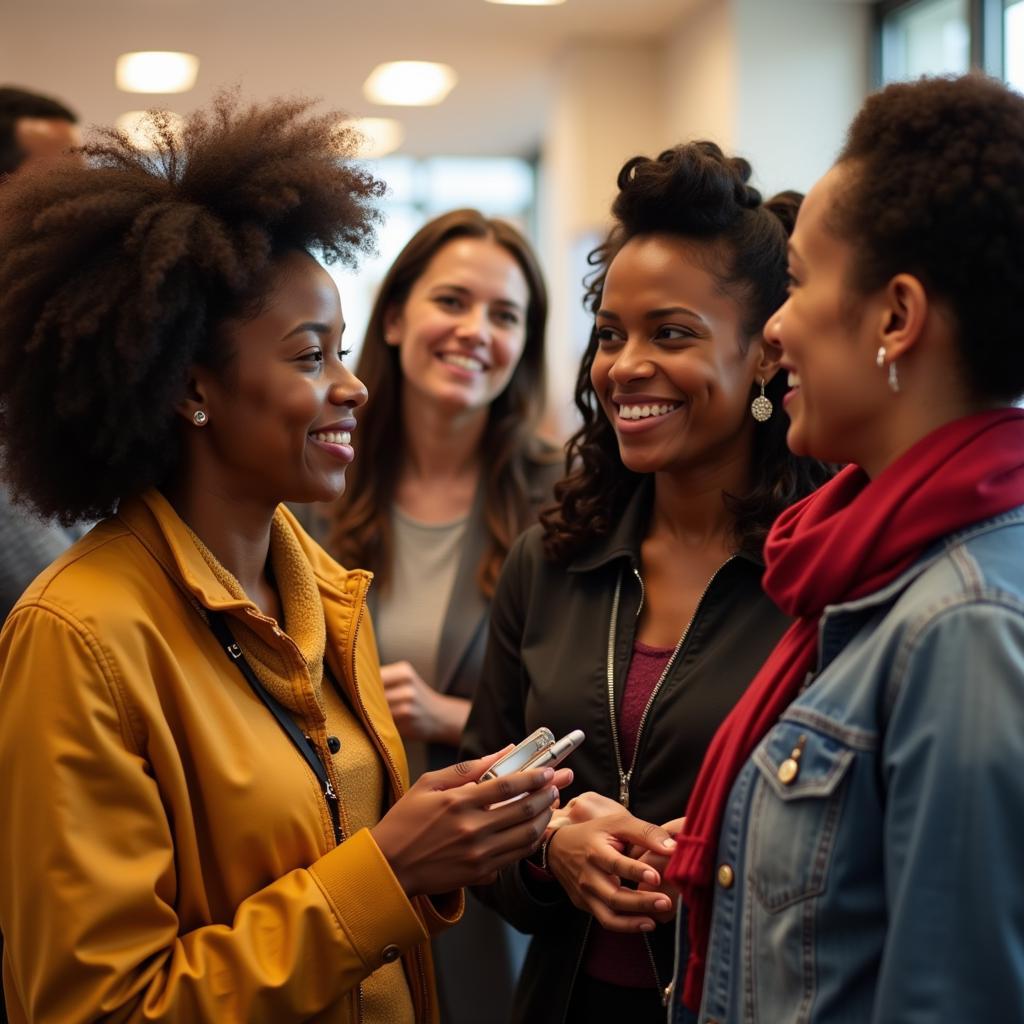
x=454 y=358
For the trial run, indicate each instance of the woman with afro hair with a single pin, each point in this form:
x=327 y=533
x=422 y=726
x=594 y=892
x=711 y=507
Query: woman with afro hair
x=852 y=846
x=634 y=611
x=206 y=814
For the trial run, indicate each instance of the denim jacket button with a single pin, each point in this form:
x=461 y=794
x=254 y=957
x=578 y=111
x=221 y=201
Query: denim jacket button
x=788 y=771
x=726 y=876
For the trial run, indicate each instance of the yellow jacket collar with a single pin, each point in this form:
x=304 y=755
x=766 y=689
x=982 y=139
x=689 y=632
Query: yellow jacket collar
x=152 y=519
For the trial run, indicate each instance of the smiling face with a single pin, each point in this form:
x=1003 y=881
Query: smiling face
x=673 y=371
x=838 y=400
x=462 y=329
x=282 y=411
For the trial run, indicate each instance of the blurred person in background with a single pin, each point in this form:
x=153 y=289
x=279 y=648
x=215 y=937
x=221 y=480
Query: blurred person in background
x=34 y=130
x=452 y=472
x=211 y=820
x=635 y=611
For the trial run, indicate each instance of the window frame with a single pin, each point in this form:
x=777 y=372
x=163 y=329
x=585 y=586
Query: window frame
x=985 y=20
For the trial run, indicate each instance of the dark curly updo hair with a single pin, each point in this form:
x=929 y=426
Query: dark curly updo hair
x=115 y=276
x=937 y=191
x=696 y=193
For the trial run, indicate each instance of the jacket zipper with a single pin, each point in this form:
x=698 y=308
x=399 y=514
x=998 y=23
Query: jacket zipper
x=397 y=786
x=330 y=796
x=626 y=777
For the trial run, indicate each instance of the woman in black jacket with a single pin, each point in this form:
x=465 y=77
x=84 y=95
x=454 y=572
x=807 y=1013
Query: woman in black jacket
x=635 y=611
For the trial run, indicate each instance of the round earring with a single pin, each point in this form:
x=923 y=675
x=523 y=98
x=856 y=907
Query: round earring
x=199 y=418
x=761 y=407
x=880 y=357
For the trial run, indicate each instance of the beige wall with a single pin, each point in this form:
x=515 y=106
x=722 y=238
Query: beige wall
x=776 y=81
x=803 y=72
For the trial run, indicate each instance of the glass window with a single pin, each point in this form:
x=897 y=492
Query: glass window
x=1013 y=44
x=419 y=189
x=930 y=37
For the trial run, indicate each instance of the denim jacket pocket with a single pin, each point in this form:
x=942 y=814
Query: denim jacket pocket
x=794 y=813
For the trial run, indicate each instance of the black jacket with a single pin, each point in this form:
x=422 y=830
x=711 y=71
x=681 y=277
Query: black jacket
x=546 y=664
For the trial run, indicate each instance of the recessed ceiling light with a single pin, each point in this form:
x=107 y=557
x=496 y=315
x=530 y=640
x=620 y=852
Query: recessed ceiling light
x=409 y=83
x=528 y=3
x=381 y=135
x=139 y=126
x=157 y=71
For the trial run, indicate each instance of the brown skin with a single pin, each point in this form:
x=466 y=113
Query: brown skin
x=842 y=409
x=285 y=381
x=599 y=844
x=668 y=335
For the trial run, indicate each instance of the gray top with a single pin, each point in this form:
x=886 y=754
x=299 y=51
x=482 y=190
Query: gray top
x=410 y=616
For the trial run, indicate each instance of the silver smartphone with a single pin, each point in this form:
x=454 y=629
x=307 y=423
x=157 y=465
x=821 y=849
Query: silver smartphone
x=539 y=750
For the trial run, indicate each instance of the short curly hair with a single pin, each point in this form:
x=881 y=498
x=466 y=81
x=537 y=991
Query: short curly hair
x=115 y=276
x=695 y=192
x=937 y=191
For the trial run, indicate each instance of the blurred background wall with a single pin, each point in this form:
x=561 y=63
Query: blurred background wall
x=548 y=101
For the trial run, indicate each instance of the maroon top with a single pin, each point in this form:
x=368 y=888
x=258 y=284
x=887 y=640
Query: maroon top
x=616 y=957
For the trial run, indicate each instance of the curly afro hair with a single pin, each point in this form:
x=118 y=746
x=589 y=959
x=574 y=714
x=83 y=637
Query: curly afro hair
x=694 y=192
x=115 y=276
x=937 y=191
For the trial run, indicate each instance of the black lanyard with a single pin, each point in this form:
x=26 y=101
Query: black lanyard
x=302 y=742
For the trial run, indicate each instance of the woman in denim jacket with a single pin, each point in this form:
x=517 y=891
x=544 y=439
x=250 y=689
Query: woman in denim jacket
x=850 y=852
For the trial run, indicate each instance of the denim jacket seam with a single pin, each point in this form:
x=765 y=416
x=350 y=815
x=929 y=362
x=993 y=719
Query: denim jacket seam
x=967 y=568
x=851 y=736
x=921 y=623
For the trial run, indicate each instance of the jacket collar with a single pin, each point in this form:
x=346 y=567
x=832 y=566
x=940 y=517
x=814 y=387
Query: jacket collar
x=152 y=519
x=627 y=535
x=840 y=622
x=892 y=590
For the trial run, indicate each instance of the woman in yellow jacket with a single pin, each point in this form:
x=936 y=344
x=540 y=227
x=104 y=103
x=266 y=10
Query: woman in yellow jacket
x=204 y=803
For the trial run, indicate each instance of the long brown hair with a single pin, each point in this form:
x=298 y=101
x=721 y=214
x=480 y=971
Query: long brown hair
x=361 y=530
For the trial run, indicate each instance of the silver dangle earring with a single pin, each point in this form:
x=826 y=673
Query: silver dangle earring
x=894 y=379
x=199 y=418
x=761 y=407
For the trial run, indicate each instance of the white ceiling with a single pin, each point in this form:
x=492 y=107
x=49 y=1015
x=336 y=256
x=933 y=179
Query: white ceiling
x=505 y=56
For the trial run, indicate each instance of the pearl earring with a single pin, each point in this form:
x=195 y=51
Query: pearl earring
x=761 y=407
x=199 y=418
x=894 y=379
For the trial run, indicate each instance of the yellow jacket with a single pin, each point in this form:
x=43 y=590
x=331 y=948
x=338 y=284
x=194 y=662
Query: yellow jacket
x=167 y=854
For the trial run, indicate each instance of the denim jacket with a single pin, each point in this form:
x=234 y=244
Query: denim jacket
x=882 y=880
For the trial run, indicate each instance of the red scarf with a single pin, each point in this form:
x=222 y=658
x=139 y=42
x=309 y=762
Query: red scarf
x=847 y=540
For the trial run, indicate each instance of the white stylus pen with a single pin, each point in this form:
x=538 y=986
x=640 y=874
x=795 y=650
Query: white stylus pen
x=559 y=751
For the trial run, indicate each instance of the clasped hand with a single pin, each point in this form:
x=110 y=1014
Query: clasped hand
x=444 y=834
x=420 y=712
x=595 y=846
